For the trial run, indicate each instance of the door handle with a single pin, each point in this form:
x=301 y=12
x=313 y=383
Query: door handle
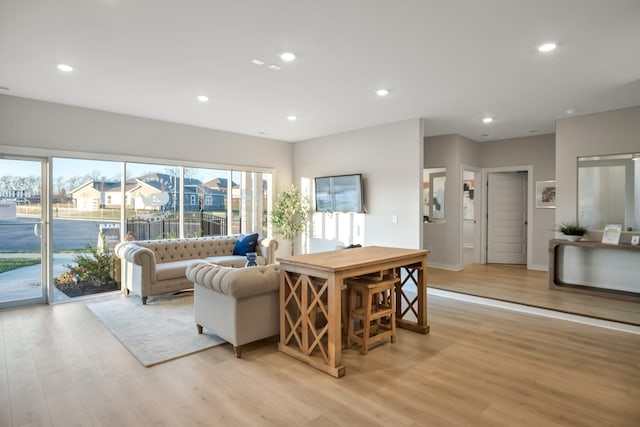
x=36 y=230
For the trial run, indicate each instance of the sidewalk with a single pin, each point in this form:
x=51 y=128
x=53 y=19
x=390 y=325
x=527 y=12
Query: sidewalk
x=23 y=283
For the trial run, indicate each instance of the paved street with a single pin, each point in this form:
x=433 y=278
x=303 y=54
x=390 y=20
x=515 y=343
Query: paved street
x=67 y=234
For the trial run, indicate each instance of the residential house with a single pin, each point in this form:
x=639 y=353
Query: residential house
x=93 y=194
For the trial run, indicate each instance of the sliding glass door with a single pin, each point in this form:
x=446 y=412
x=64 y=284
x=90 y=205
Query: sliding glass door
x=57 y=237
x=23 y=232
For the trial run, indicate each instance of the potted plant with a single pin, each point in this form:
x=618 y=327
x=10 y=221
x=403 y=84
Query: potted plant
x=290 y=214
x=572 y=230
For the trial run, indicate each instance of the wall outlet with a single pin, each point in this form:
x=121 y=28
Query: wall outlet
x=394 y=219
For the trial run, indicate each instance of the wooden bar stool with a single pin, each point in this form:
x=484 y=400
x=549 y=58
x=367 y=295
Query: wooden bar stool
x=377 y=305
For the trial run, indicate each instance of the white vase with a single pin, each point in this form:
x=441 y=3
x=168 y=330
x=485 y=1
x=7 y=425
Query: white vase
x=572 y=238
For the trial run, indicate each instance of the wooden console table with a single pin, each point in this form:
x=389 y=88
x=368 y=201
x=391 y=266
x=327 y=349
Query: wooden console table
x=311 y=299
x=555 y=283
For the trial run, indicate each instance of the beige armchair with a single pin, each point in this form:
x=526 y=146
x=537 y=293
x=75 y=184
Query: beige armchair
x=240 y=305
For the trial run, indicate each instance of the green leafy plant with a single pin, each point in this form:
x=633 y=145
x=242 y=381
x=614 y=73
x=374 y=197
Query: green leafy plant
x=98 y=268
x=572 y=228
x=290 y=214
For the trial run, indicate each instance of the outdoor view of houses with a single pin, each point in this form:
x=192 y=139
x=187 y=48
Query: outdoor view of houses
x=156 y=202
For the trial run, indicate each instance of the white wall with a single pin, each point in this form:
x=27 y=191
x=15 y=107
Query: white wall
x=611 y=132
x=26 y=123
x=539 y=152
x=389 y=158
x=29 y=127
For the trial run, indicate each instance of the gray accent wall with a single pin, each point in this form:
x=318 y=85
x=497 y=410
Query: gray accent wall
x=610 y=132
x=454 y=152
x=444 y=240
x=539 y=152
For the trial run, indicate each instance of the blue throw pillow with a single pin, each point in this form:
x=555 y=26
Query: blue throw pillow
x=245 y=244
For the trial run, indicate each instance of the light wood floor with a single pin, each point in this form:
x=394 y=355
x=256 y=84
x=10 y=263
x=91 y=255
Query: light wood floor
x=514 y=283
x=479 y=366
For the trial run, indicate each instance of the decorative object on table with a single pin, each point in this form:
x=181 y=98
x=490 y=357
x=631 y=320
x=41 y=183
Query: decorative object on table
x=545 y=194
x=251 y=259
x=572 y=230
x=157 y=332
x=611 y=234
x=290 y=214
x=635 y=240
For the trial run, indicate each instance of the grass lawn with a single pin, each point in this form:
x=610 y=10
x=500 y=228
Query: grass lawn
x=8 y=264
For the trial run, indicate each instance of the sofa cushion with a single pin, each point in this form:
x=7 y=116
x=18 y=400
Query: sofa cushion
x=233 y=260
x=172 y=270
x=236 y=282
x=245 y=244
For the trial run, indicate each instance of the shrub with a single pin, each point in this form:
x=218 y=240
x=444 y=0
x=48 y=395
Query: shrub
x=98 y=268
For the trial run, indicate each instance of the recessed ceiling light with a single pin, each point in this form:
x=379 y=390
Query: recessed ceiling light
x=546 y=47
x=274 y=67
x=484 y=135
x=292 y=118
x=533 y=131
x=65 y=68
x=382 y=92
x=257 y=62
x=287 y=56
x=487 y=120
x=570 y=111
x=203 y=98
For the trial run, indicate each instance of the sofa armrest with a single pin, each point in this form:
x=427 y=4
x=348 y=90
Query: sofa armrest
x=235 y=282
x=267 y=248
x=138 y=255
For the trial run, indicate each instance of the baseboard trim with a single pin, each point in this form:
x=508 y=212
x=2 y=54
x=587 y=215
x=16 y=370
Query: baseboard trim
x=538 y=267
x=451 y=267
x=607 y=324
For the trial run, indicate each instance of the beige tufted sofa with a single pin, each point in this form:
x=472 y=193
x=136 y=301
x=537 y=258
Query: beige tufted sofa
x=240 y=305
x=152 y=267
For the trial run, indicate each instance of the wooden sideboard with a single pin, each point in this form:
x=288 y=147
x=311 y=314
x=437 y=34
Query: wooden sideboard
x=594 y=247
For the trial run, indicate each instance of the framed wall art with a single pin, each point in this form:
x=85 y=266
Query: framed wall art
x=545 y=194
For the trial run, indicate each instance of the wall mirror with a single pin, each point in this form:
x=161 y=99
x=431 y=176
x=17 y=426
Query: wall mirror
x=609 y=191
x=433 y=186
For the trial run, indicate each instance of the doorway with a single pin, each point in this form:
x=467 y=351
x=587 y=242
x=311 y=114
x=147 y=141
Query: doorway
x=507 y=217
x=471 y=229
x=23 y=232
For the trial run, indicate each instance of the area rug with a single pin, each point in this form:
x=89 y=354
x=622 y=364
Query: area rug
x=160 y=331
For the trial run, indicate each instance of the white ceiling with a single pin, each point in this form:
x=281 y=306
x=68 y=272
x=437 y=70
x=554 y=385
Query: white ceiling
x=450 y=62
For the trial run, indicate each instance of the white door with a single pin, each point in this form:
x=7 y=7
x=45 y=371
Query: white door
x=507 y=218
